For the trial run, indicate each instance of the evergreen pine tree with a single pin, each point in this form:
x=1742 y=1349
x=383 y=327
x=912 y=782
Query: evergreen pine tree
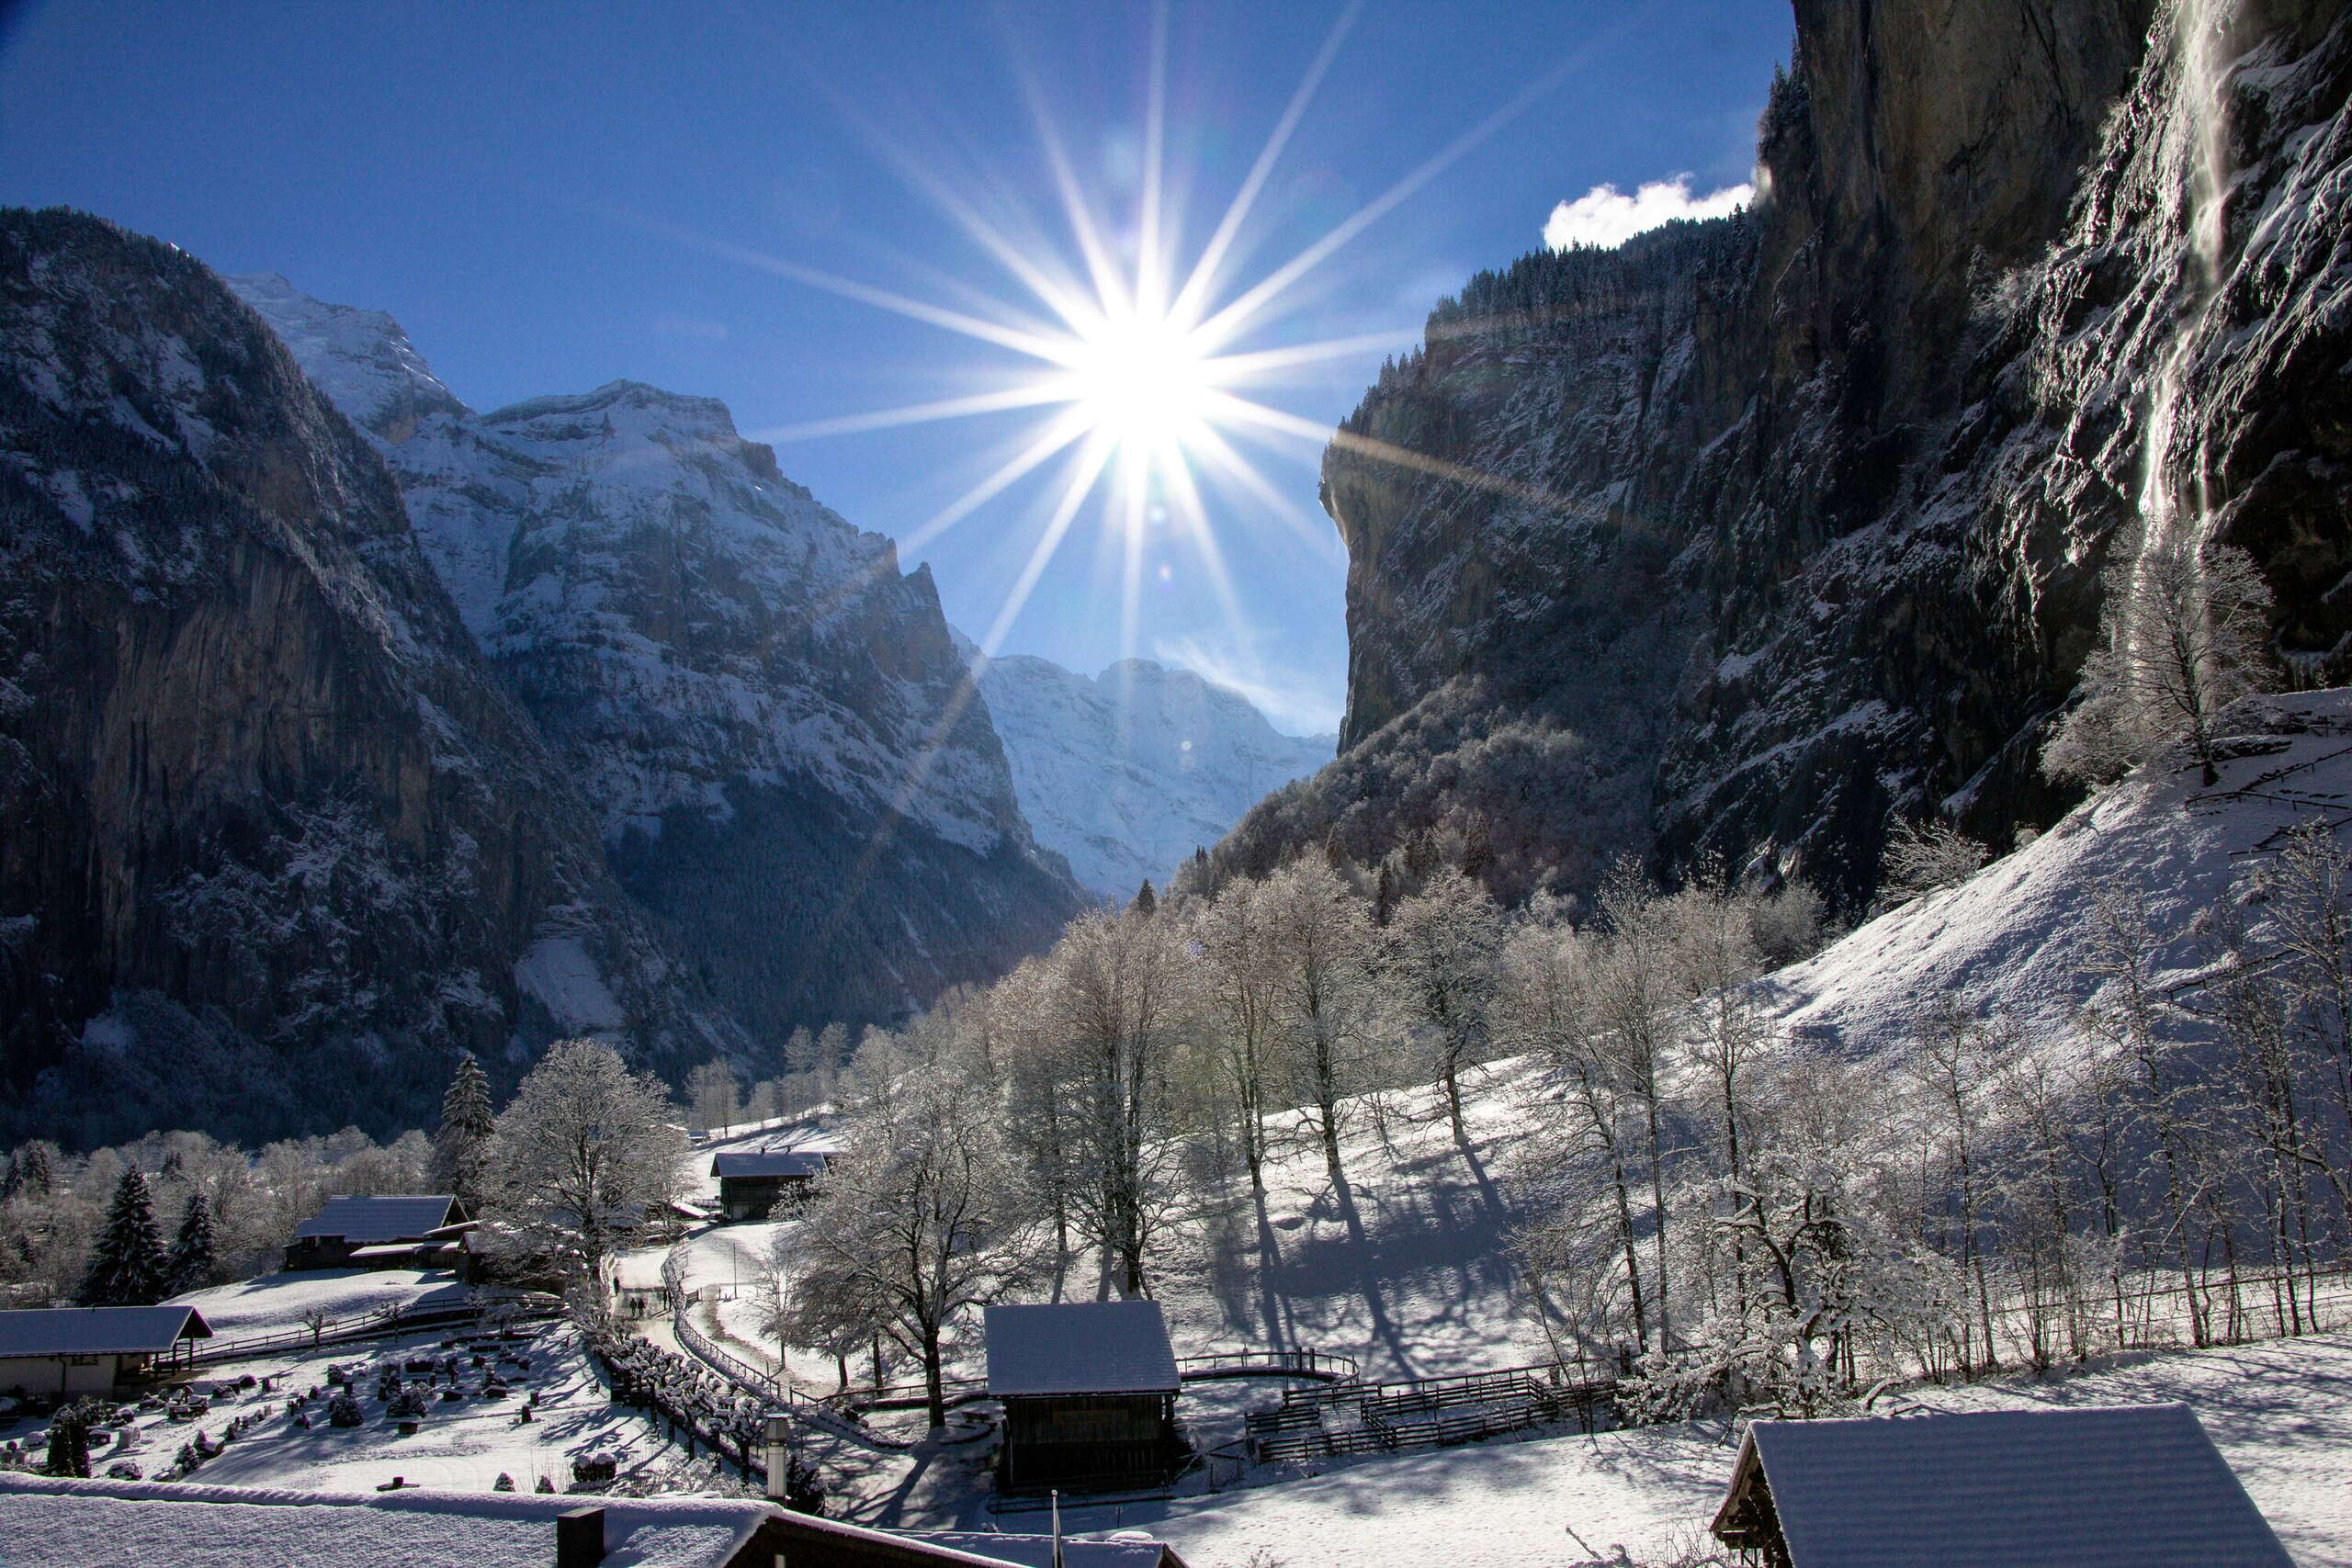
x=1146 y=901
x=194 y=1255
x=13 y=1182
x=69 y=1438
x=461 y=1145
x=126 y=1265
x=33 y=1170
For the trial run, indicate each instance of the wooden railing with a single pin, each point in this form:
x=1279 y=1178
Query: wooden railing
x=1351 y=1419
x=1326 y=1366
x=778 y=1394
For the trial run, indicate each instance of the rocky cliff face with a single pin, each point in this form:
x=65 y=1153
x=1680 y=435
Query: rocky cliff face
x=279 y=843
x=1767 y=529
x=1126 y=773
x=772 y=723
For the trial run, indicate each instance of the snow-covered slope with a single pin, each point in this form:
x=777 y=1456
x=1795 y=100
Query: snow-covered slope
x=771 y=720
x=2014 y=940
x=1126 y=773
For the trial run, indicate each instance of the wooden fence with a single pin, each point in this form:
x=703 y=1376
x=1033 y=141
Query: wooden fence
x=1355 y=1418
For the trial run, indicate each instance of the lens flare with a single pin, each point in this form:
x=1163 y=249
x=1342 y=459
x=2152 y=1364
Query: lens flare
x=1139 y=357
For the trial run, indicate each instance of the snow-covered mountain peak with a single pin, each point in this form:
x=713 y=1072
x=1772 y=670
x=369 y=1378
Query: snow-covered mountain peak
x=1126 y=773
x=624 y=409
x=763 y=710
x=361 y=359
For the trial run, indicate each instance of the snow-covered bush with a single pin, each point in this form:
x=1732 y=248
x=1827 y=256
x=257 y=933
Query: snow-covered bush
x=1923 y=858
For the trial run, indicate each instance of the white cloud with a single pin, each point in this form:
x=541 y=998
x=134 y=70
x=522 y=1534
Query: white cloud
x=1288 y=699
x=1607 y=217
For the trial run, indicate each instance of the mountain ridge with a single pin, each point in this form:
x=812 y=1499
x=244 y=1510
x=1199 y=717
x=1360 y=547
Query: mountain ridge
x=1126 y=773
x=771 y=719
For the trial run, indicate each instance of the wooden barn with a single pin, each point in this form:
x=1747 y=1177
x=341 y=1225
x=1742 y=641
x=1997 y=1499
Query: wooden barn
x=422 y=1231
x=92 y=1350
x=1090 y=1395
x=752 y=1181
x=2138 y=1486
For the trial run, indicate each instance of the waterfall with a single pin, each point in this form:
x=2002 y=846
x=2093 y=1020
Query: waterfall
x=2195 y=162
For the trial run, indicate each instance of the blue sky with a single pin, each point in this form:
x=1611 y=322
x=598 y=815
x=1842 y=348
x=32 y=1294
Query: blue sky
x=552 y=195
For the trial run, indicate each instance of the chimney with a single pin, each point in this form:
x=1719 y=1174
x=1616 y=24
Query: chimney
x=779 y=1455
x=580 y=1538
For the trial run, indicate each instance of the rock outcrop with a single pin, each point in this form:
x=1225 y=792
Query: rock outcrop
x=279 y=845
x=1768 y=529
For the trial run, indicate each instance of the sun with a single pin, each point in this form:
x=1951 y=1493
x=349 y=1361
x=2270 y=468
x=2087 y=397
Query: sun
x=1146 y=357
x=1141 y=382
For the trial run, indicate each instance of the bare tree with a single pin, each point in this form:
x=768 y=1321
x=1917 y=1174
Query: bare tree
x=1635 y=998
x=2184 y=633
x=1543 y=1008
x=1114 y=997
x=919 y=1218
x=1438 y=955
x=1320 y=936
x=584 y=1149
x=1956 y=1055
x=711 y=1096
x=1926 y=857
x=1238 y=991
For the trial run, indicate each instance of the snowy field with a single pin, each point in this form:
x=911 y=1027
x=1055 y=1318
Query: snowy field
x=2281 y=1413
x=462 y=1445
x=276 y=1302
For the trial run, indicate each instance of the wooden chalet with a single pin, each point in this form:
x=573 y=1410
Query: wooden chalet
x=752 y=1181
x=406 y=1232
x=92 y=1350
x=1090 y=1395
x=2137 y=1486
x=108 y=1524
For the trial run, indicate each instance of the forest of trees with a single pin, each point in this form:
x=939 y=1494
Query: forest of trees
x=1711 y=1212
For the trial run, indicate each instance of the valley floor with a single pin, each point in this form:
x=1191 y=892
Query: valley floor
x=2281 y=1411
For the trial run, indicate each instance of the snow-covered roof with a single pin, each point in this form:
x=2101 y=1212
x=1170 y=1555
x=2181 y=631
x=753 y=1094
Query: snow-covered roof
x=401 y=1250
x=768 y=1162
x=102 y=1524
x=99 y=1331
x=2134 y=1486
x=379 y=1219
x=1080 y=1348
x=1126 y=1549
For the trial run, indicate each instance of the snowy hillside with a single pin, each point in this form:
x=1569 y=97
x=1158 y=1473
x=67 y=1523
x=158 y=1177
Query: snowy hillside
x=1126 y=773
x=2014 y=940
x=760 y=708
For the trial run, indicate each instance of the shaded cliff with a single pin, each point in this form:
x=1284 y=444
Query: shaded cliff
x=278 y=844
x=1773 y=527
